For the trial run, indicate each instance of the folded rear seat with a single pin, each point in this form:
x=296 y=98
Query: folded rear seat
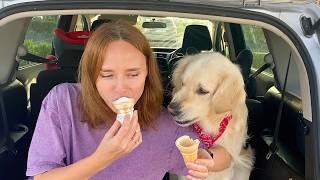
x=16 y=115
x=289 y=160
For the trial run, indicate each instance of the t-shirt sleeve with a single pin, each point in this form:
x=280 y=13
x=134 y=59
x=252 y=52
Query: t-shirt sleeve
x=47 y=150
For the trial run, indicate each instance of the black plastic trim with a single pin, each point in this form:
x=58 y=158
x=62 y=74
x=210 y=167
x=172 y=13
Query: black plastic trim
x=309 y=145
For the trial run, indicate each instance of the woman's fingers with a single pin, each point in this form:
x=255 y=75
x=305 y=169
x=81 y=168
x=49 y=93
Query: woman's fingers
x=121 y=139
x=197 y=167
x=192 y=178
x=135 y=141
x=127 y=129
x=208 y=163
x=205 y=158
x=137 y=138
x=129 y=135
x=199 y=175
x=134 y=126
x=197 y=170
x=113 y=129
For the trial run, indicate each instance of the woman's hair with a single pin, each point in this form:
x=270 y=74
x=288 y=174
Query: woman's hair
x=95 y=110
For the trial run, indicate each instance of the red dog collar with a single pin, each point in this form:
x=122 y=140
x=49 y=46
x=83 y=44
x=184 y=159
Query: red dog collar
x=208 y=139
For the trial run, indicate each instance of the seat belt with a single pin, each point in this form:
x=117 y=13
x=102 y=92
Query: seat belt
x=37 y=59
x=269 y=64
x=273 y=147
x=260 y=70
x=7 y=143
x=23 y=53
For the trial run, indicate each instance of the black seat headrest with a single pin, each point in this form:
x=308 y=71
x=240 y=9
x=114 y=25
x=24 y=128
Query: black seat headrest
x=244 y=59
x=15 y=102
x=50 y=78
x=70 y=58
x=196 y=39
x=97 y=23
x=69 y=47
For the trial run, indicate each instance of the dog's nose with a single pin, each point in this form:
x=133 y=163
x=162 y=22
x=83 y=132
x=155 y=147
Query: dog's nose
x=174 y=108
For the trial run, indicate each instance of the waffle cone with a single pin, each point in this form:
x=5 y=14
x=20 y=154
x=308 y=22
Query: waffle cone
x=190 y=157
x=188 y=148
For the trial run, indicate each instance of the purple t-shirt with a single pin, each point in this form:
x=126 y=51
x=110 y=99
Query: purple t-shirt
x=61 y=138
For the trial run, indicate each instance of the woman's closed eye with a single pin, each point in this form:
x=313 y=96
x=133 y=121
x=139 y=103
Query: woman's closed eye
x=133 y=75
x=106 y=75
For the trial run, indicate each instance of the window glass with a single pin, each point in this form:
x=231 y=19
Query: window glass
x=162 y=32
x=167 y=32
x=224 y=45
x=256 y=42
x=81 y=24
x=38 y=39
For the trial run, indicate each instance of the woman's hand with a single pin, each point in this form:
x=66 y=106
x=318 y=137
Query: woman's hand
x=200 y=169
x=119 y=141
x=205 y=163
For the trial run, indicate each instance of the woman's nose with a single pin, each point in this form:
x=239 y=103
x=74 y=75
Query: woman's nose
x=120 y=85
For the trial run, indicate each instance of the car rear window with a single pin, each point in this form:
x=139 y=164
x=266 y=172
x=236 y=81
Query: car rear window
x=170 y=35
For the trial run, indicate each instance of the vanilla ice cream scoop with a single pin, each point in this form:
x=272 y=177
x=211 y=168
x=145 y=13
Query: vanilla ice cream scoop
x=124 y=106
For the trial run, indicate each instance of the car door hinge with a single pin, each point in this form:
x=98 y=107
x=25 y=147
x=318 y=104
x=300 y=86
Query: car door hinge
x=307 y=27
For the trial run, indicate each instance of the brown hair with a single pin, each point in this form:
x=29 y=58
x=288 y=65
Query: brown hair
x=95 y=110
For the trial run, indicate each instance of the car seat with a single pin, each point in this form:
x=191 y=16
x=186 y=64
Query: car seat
x=68 y=47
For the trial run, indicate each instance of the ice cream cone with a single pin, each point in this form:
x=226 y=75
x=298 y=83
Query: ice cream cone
x=188 y=148
x=124 y=107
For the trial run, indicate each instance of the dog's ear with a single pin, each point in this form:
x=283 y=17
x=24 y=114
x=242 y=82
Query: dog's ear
x=228 y=93
x=178 y=71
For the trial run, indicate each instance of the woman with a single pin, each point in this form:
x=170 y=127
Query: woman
x=77 y=137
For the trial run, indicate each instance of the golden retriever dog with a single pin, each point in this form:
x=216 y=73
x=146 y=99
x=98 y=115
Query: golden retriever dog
x=208 y=91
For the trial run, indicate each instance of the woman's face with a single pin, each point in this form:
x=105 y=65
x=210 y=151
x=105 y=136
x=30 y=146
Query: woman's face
x=123 y=73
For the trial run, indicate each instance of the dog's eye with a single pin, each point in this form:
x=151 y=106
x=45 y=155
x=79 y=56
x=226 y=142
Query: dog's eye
x=202 y=91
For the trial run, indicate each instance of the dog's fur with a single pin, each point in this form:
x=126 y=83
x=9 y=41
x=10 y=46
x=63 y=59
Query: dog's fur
x=206 y=87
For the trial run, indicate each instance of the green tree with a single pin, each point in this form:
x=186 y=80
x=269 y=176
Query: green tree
x=39 y=36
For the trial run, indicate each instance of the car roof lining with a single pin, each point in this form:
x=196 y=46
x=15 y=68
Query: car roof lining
x=303 y=79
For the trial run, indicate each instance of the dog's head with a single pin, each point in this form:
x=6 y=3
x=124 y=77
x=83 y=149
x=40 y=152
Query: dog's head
x=205 y=86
